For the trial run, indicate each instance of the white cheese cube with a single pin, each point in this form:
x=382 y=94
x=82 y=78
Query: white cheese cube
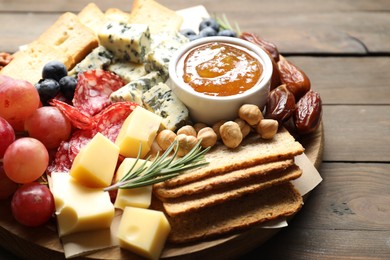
x=136 y=197
x=94 y=166
x=128 y=42
x=143 y=231
x=139 y=130
x=79 y=208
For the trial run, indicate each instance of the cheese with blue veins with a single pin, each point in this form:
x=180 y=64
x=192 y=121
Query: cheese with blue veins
x=128 y=71
x=99 y=58
x=163 y=47
x=128 y=42
x=163 y=102
x=134 y=90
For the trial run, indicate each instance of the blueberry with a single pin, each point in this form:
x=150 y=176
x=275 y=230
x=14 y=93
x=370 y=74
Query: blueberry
x=209 y=22
x=68 y=86
x=188 y=32
x=228 y=33
x=207 y=32
x=54 y=70
x=194 y=37
x=47 y=89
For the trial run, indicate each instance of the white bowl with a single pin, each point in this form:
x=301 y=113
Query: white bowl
x=210 y=109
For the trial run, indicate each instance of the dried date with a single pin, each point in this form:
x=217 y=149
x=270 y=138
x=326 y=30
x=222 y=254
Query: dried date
x=268 y=46
x=308 y=113
x=280 y=104
x=295 y=79
x=5 y=58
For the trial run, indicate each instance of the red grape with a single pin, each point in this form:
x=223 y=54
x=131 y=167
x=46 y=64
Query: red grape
x=48 y=125
x=7 y=187
x=25 y=160
x=18 y=99
x=7 y=136
x=32 y=204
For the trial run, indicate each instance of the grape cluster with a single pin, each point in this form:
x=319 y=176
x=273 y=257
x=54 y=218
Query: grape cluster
x=208 y=27
x=55 y=80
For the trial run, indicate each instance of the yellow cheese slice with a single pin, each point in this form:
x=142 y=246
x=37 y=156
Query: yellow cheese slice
x=137 y=197
x=94 y=166
x=143 y=231
x=139 y=129
x=79 y=208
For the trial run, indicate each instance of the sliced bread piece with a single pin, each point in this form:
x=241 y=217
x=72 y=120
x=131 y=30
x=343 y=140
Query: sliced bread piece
x=251 y=152
x=158 y=17
x=192 y=203
x=212 y=183
x=27 y=64
x=235 y=215
x=69 y=36
x=93 y=17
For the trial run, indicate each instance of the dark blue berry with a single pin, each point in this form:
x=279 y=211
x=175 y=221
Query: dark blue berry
x=207 y=32
x=194 y=37
x=209 y=22
x=47 y=89
x=54 y=70
x=228 y=33
x=188 y=32
x=68 y=86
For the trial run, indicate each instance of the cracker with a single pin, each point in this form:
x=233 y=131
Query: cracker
x=221 y=180
x=235 y=215
x=193 y=203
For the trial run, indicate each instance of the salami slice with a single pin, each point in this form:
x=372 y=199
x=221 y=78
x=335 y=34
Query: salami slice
x=77 y=118
x=93 y=90
x=61 y=162
x=110 y=120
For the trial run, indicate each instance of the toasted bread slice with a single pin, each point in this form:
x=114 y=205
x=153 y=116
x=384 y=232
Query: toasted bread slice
x=115 y=14
x=234 y=177
x=251 y=152
x=193 y=203
x=92 y=17
x=27 y=64
x=69 y=36
x=234 y=215
x=158 y=17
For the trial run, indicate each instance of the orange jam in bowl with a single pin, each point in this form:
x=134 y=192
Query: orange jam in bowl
x=214 y=76
x=221 y=69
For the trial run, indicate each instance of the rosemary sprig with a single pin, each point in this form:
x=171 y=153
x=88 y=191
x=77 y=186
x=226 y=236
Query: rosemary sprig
x=162 y=168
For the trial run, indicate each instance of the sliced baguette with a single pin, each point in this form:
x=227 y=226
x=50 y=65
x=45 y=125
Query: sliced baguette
x=234 y=215
x=27 y=64
x=69 y=36
x=234 y=177
x=158 y=17
x=192 y=203
x=251 y=152
x=92 y=17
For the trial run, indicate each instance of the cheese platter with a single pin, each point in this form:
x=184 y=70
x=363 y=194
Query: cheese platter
x=144 y=87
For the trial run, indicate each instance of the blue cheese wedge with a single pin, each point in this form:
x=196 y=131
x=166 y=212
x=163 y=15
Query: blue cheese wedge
x=163 y=47
x=128 y=42
x=128 y=71
x=162 y=101
x=99 y=58
x=134 y=90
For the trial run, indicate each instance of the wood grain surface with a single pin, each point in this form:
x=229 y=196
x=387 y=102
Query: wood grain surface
x=343 y=46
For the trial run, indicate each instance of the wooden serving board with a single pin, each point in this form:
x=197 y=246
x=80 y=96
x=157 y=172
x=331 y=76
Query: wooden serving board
x=43 y=242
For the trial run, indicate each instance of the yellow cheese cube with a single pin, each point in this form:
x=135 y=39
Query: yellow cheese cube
x=139 y=128
x=94 y=166
x=143 y=231
x=79 y=208
x=137 y=197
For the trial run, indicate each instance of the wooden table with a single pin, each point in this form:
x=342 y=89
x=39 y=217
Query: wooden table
x=344 y=48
